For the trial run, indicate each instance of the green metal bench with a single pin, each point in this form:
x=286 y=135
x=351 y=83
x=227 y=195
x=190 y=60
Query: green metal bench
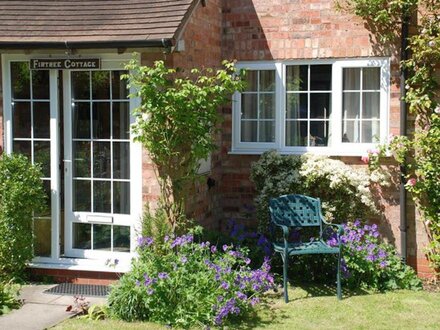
x=298 y=211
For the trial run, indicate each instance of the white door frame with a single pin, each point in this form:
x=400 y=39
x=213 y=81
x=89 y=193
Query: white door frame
x=109 y=61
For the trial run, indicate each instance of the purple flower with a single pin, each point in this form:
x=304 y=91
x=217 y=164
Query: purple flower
x=241 y=295
x=382 y=254
x=145 y=241
x=224 y=285
x=138 y=283
x=213 y=249
x=255 y=300
x=150 y=291
x=163 y=275
x=183 y=259
x=383 y=264
x=225 y=247
x=247 y=261
x=371 y=257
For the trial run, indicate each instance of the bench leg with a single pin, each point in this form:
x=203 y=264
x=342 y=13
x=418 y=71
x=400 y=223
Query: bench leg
x=338 y=278
x=285 y=264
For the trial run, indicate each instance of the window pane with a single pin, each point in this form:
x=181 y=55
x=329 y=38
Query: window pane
x=121 y=197
x=296 y=106
x=267 y=131
x=370 y=131
x=351 y=131
x=101 y=120
x=81 y=195
x=101 y=196
x=351 y=105
x=267 y=106
x=249 y=106
x=42 y=156
x=371 y=105
x=81 y=120
x=100 y=85
x=297 y=77
x=20 y=80
x=81 y=159
x=46 y=212
x=267 y=80
x=296 y=133
x=102 y=237
x=42 y=120
x=40 y=84
x=320 y=105
x=80 y=85
x=101 y=160
x=22 y=119
x=249 y=131
x=352 y=78
x=319 y=133
x=23 y=147
x=121 y=238
x=121 y=120
x=320 y=77
x=121 y=160
x=119 y=87
x=82 y=236
x=251 y=81
x=42 y=237
x=371 y=78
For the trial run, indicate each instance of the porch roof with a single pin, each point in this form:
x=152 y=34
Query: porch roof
x=92 y=24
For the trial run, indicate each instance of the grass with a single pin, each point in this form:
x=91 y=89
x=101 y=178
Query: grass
x=316 y=307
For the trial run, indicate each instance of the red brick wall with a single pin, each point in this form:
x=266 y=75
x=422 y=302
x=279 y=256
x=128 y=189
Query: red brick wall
x=202 y=37
x=307 y=29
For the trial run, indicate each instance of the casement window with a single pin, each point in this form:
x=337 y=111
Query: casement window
x=330 y=107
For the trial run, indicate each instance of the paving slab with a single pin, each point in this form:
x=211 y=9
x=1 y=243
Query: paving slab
x=41 y=310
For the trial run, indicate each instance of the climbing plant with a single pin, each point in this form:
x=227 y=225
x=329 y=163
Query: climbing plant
x=176 y=122
x=420 y=152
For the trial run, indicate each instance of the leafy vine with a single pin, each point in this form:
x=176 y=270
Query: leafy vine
x=420 y=152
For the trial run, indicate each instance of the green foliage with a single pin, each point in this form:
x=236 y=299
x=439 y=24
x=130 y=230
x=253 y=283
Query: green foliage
x=344 y=191
x=383 y=16
x=420 y=153
x=188 y=284
x=8 y=297
x=176 y=122
x=372 y=264
x=21 y=194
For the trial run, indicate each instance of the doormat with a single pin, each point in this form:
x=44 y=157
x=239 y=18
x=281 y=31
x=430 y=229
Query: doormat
x=87 y=290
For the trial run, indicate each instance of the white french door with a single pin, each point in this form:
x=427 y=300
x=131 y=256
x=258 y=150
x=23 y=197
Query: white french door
x=76 y=124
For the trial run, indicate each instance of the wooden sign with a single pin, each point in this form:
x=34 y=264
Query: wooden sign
x=62 y=64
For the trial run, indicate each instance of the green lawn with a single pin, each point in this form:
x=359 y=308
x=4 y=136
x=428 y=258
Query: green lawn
x=315 y=307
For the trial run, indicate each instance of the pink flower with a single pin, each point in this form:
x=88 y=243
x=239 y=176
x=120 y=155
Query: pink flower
x=365 y=159
x=412 y=182
x=374 y=151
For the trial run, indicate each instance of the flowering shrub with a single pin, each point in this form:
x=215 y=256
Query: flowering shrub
x=188 y=283
x=344 y=191
x=371 y=264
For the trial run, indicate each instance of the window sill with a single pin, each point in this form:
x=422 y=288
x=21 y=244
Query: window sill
x=347 y=151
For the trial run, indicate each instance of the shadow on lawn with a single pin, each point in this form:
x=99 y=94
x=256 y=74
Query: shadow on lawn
x=323 y=290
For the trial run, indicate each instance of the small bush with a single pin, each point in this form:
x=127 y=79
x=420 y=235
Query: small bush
x=8 y=297
x=370 y=264
x=21 y=194
x=181 y=283
x=343 y=190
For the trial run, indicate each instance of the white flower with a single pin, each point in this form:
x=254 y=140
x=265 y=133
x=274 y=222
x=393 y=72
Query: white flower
x=437 y=110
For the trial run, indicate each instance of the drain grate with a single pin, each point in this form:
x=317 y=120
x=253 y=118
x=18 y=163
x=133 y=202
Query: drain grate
x=87 y=290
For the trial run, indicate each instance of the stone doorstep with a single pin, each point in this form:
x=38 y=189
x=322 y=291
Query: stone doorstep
x=41 y=310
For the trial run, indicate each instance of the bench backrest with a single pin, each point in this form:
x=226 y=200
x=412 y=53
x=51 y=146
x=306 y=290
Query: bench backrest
x=296 y=211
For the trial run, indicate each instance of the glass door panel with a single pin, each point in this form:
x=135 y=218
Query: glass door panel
x=98 y=181
x=31 y=136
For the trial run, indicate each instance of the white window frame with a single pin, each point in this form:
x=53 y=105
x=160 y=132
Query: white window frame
x=336 y=146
